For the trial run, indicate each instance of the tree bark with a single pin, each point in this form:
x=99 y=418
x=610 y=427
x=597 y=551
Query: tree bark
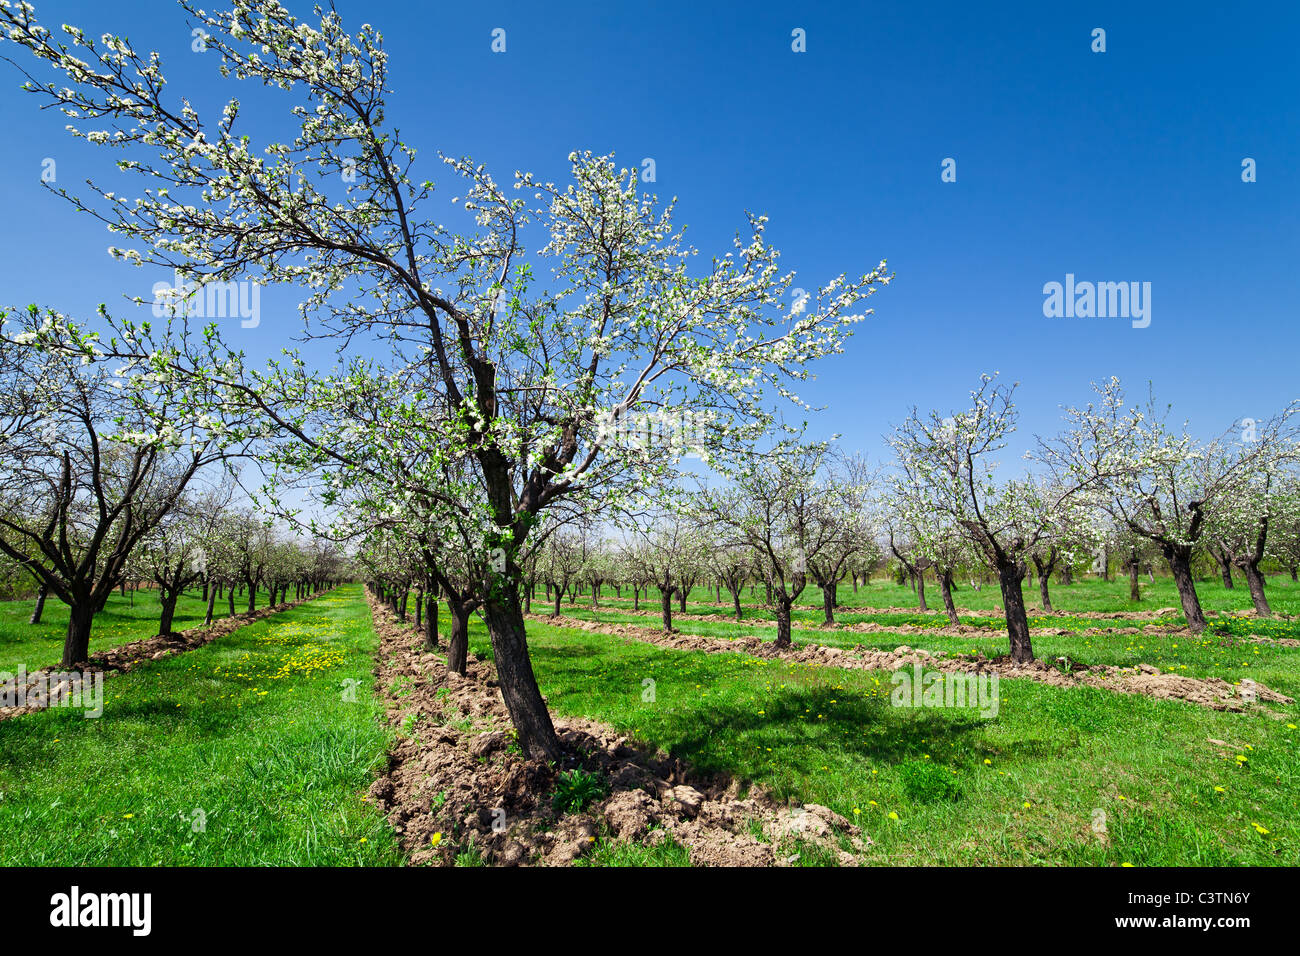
x=523 y=698
x=1013 y=600
x=212 y=600
x=945 y=588
x=39 y=609
x=919 y=581
x=458 y=643
x=829 y=594
x=1134 y=591
x=430 y=621
x=76 y=645
x=666 y=606
x=783 y=620
x=1044 y=572
x=1255 y=581
x=1180 y=563
x=168 y=601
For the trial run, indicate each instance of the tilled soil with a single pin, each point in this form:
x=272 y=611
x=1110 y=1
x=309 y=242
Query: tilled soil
x=727 y=610
x=1213 y=692
x=947 y=630
x=456 y=783
x=125 y=657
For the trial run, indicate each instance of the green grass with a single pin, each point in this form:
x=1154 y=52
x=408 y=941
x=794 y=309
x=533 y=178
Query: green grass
x=1087 y=594
x=278 y=764
x=253 y=730
x=124 y=619
x=958 y=783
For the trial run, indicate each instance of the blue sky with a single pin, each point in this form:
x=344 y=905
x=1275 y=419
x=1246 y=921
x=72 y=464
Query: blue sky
x=1115 y=166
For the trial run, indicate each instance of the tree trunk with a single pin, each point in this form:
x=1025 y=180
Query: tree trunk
x=212 y=600
x=558 y=594
x=1255 y=581
x=735 y=600
x=168 y=601
x=76 y=645
x=1225 y=570
x=829 y=592
x=230 y=597
x=39 y=609
x=783 y=621
x=252 y=598
x=1013 y=600
x=666 y=606
x=945 y=588
x=919 y=582
x=1044 y=572
x=458 y=643
x=1180 y=563
x=524 y=701
x=1134 y=591
x=430 y=621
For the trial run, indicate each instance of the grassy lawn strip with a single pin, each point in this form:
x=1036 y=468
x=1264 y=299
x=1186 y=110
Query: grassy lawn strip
x=1210 y=654
x=124 y=619
x=253 y=730
x=1027 y=786
x=1086 y=595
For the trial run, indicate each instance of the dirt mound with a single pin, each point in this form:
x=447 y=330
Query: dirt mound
x=1212 y=692
x=126 y=657
x=456 y=784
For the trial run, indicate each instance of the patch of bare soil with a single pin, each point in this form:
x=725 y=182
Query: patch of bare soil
x=52 y=685
x=456 y=783
x=1213 y=692
x=1275 y=641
